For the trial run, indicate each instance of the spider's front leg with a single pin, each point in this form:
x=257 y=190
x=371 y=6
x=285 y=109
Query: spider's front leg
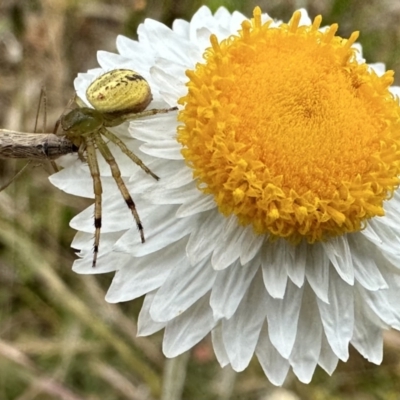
x=116 y=140
x=114 y=120
x=97 y=189
x=81 y=151
x=116 y=174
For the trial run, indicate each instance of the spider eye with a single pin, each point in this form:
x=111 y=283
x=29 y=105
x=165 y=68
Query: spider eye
x=81 y=120
x=120 y=91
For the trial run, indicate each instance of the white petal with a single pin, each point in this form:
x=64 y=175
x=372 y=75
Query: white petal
x=296 y=269
x=83 y=240
x=367 y=338
x=163 y=75
x=105 y=263
x=82 y=81
x=359 y=53
x=179 y=195
x=241 y=332
x=131 y=49
x=379 y=302
x=395 y=90
x=338 y=251
x=228 y=249
x=366 y=271
x=273 y=364
x=116 y=216
x=174 y=47
x=223 y=17
x=84 y=243
x=283 y=315
x=372 y=236
x=109 y=61
x=392 y=217
x=107 y=260
x=74 y=180
x=176 y=175
x=195 y=206
x=304 y=19
x=182 y=288
x=202 y=25
x=327 y=358
x=146 y=326
x=338 y=316
x=385 y=302
x=66 y=161
x=181 y=27
x=168 y=149
x=236 y=21
x=275 y=258
x=157 y=127
x=226 y=294
x=250 y=245
x=204 y=238
x=388 y=240
x=150 y=271
x=183 y=332
x=307 y=347
x=161 y=230
x=218 y=345
x=379 y=68
x=317 y=271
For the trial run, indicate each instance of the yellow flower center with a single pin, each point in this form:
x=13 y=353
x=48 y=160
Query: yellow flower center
x=289 y=132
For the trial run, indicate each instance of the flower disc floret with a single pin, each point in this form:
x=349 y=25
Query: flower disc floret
x=290 y=132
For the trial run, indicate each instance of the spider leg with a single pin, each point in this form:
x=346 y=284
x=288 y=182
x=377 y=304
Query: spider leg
x=115 y=139
x=116 y=173
x=6 y=185
x=97 y=189
x=81 y=150
x=78 y=101
x=113 y=120
x=148 y=113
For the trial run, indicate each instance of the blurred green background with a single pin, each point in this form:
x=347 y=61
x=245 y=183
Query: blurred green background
x=59 y=339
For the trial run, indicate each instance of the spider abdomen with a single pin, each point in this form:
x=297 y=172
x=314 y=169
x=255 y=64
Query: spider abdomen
x=119 y=92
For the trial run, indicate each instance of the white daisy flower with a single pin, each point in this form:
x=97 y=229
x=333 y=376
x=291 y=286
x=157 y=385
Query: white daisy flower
x=275 y=223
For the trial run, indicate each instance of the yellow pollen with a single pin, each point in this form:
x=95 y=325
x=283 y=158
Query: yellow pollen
x=289 y=132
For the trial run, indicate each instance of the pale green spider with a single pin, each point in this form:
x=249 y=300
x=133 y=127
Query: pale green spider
x=117 y=96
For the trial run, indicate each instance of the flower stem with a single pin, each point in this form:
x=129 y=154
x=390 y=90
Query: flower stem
x=174 y=377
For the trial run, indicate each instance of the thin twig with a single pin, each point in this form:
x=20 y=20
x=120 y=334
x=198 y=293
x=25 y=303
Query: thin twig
x=33 y=146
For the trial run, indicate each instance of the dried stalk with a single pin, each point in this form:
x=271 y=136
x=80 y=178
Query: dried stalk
x=33 y=146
